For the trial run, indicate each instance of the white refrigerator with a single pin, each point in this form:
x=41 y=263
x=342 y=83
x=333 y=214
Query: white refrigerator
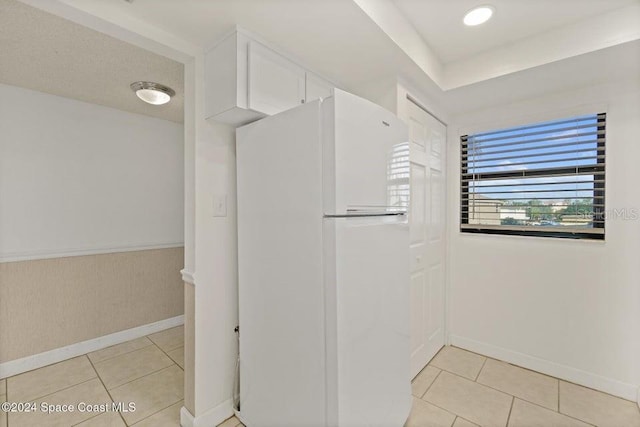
x=323 y=253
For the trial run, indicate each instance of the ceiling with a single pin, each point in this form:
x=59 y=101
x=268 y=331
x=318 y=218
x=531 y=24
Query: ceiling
x=335 y=38
x=349 y=40
x=616 y=66
x=363 y=44
x=44 y=52
x=439 y=22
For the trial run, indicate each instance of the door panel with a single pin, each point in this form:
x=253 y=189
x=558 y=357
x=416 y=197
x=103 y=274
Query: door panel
x=435 y=232
x=427 y=248
x=417 y=311
x=418 y=206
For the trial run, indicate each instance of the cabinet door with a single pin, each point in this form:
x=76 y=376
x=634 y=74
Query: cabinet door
x=317 y=88
x=275 y=83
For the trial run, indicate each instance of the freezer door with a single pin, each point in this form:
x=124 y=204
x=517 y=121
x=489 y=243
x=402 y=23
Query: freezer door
x=365 y=157
x=367 y=312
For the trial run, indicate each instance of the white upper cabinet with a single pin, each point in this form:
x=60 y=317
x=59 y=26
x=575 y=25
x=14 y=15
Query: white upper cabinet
x=316 y=88
x=245 y=81
x=275 y=83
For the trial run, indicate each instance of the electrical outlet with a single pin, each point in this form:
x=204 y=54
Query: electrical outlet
x=220 y=206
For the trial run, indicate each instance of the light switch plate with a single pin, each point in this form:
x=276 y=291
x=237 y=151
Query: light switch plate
x=220 y=206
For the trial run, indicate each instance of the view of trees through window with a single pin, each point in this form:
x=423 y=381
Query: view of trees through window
x=547 y=175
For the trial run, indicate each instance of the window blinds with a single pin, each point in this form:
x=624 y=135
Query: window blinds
x=544 y=179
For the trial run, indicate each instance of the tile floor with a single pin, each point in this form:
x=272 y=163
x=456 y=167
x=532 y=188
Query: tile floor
x=457 y=389
x=463 y=389
x=147 y=371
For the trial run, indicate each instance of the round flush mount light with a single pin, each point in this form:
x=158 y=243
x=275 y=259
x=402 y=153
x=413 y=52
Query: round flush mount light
x=478 y=15
x=153 y=93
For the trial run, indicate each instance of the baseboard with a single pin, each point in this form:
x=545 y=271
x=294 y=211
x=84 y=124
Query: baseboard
x=18 y=366
x=567 y=373
x=212 y=417
x=186 y=419
x=238 y=415
x=188 y=276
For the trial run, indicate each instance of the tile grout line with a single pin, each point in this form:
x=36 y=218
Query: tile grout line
x=481 y=368
x=106 y=389
x=499 y=391
x=150 y=339
x=146 y=375
x=167 y=352
x=62 y=389
x=446 y=410
x=150 y=373
x=513 y=399
x=517 y=397
x=454 y=373
x=97 y=376
x=84 y=421
x=151 y=415
x=487 y=386
x=469 y=421
x=555 y=412
x=121 y=354
x=42 y=367
x=430 y=385
x=431 y=403
x=173 y=359
x=537 y=372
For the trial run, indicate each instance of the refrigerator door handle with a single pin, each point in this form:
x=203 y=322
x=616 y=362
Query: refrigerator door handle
x=363 y=214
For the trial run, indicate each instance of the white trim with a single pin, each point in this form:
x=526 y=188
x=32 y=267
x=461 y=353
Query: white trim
x=212 y=417
x=186 y=419
x=638 y=397
x=18 y=366
x=188 y=277
x=419 y=104
x=523 y=119
x=35 y=255
x=568 y=373
x=238 y=415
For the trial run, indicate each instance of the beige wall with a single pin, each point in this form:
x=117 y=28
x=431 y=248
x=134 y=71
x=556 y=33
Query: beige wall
x=51 y=303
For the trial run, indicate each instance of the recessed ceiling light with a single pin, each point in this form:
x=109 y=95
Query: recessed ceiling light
x=153 y=93
x=478 y=15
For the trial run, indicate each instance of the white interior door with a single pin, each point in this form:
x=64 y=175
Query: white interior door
x=427 y=138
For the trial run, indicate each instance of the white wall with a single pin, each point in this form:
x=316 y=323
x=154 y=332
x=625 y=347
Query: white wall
x=214 y=264
x=82 y=178
x=567 y=308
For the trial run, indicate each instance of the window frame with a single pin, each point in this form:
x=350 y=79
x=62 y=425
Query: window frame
x=598 y=230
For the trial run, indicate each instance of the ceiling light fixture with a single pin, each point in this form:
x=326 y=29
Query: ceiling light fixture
x=153 y=93
x=478 y=15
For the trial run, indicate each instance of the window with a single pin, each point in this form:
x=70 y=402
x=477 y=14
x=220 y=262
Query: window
x=545 y=179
